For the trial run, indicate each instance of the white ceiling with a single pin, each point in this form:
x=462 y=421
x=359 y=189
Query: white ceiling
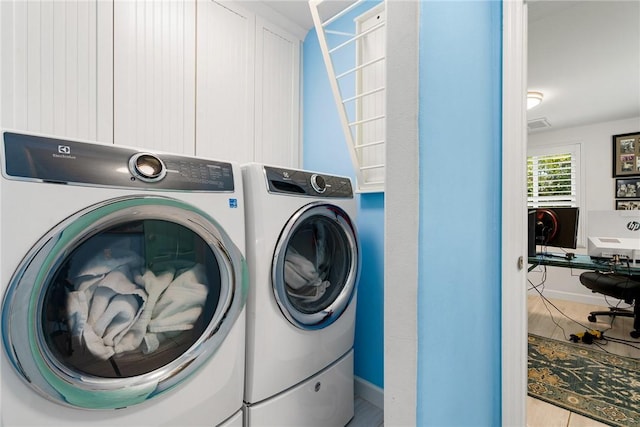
x=298 y=12
x=584 y=56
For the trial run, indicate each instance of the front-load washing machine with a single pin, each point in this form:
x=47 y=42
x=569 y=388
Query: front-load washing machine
x=304 y=259
x=124 y=285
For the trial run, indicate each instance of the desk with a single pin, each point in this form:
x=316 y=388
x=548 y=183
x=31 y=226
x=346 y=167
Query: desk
x=583 y=262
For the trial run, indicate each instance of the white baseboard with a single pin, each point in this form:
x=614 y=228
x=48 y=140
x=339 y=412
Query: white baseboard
x=369 y=392
x=595 y=299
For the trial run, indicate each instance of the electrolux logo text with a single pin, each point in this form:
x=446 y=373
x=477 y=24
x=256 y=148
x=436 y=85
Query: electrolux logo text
x=64 y=152
x=633 y=225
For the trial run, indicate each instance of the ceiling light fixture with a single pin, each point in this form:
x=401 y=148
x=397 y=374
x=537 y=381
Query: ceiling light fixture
x=533 y=99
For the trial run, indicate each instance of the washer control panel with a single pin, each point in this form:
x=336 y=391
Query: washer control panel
x=84 y=163
x=303 y=183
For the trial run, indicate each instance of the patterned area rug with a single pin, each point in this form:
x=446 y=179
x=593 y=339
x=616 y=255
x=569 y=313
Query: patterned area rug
x=590 y=382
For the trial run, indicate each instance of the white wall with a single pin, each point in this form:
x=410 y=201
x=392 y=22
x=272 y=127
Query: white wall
x=598 y=185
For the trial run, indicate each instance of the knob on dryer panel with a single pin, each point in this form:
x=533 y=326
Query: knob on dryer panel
x=318 y=183
x=147 y=167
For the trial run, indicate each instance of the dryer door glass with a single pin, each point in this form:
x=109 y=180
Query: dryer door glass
x=123 y=301
x=316 y=266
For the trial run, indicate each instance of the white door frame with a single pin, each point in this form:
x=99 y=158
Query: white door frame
x=514 y=157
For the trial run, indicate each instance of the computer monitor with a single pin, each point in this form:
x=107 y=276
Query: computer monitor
x=557 y=227
x=614 y=223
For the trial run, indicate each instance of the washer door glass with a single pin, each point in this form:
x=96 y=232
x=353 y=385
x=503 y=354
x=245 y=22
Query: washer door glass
x=122 y=301
x=316 y=266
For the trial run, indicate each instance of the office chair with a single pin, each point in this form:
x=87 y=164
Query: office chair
x=624 y=287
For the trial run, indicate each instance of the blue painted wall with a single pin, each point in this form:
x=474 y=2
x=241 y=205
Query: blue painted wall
x=459 y=359
x=325 y=149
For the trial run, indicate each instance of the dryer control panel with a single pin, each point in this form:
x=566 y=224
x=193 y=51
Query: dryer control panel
x=84 y=163
x=304 y=183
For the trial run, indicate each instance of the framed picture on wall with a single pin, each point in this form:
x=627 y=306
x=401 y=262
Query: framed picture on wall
x=628 y=188
x=626 y=154
x=628 y=205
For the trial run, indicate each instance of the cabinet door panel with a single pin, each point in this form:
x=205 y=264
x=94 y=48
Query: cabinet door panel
x=225 y=75
x=55 y=78
x=154 y=74
x=277 y=96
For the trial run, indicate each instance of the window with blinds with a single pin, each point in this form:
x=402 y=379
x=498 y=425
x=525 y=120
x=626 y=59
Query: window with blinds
x=551 y=180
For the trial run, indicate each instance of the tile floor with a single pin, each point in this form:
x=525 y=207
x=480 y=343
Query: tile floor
x=366 y=415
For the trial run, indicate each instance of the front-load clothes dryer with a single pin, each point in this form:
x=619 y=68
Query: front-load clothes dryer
x=303 y=255
x=124 y=285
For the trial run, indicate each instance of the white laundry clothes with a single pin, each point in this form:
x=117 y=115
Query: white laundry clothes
x=178 y=308
x=299 y=271
x=115 y=308
x=154 y=286
x=301 y=275
x=107 y=260
x=105 y=303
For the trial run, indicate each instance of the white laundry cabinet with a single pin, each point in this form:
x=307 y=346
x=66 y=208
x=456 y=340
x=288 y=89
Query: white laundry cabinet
x=154 y=48
x=196 y=77
x=56 y=68
x=247 y=105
